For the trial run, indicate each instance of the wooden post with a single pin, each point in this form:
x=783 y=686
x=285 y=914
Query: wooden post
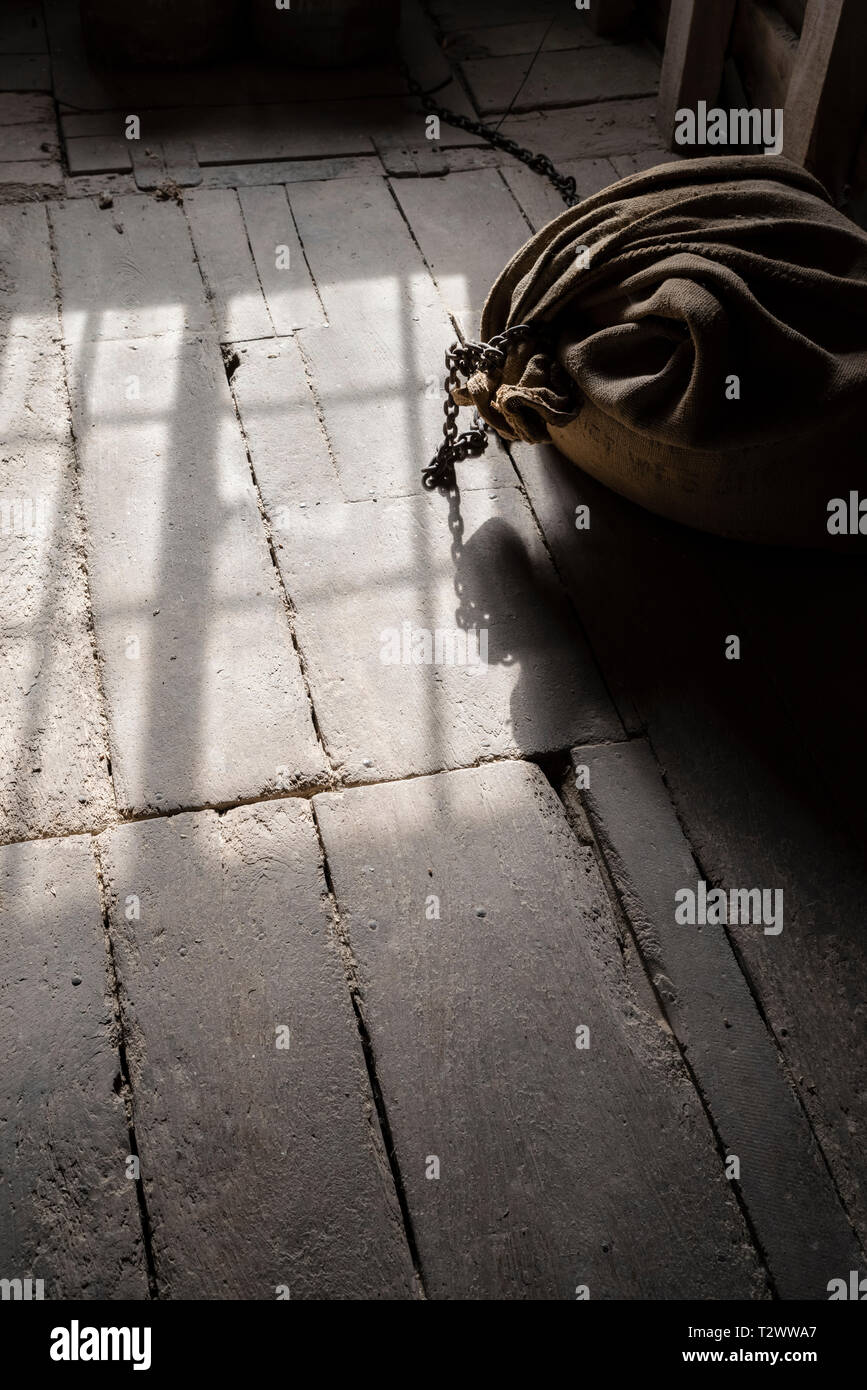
x=695 y=50
x=827 y=96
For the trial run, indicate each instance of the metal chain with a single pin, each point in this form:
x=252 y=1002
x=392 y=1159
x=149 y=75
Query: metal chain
x=463 y=360
x=539 y=163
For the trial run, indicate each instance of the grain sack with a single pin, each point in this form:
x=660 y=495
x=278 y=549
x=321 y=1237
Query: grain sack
x=701 y=347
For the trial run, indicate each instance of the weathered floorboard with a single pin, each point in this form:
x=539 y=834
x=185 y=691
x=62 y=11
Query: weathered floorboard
x=226 y=262
x=69 y=1213
x=763 y=801
x=206 y=704
x=512 y=674
x=288 y=446
x=483 y=939
x=569 y=78
x=127 y=271
x=287 y=287
x=53 y=752
x=260 y=1153
x=378 y=367
x=797 y=1215
x=468 y=227
x=540 y=200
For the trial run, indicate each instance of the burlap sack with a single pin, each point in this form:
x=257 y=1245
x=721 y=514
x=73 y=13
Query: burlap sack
x=702 y=346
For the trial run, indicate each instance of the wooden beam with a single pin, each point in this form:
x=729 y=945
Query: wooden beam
x=827 y=97
x=695 y=49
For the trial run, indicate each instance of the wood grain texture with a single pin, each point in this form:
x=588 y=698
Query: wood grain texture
x=33 y=140
x=289 y=292
x=540 y=200
x=764 y=784
x=358 y=570
x=569 y=78
x=692 y=67
x=128 y=270
x=827 y=100
x=69 y=1214
x=262 y=1165
x=378 y=367
x=550 y=1156
x=587 y=132
x=227 y=266
x=287 y=443
x=797 y=1215
x=54 y=776
x=468 y=227
x=206 y=705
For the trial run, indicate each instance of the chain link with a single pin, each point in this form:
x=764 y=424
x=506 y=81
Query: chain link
x=464 y=359
x=539 y=163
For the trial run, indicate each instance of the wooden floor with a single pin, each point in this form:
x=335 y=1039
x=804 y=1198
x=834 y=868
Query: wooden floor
x=332 y=964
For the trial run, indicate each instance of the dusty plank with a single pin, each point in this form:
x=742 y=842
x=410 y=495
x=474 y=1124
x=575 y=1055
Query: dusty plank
x=127 y=271
x=148 y=165
x=182 y=167
x=796 y=1213
x=433 y=157
x=498 y=40
x=468 y=227
x=25 y=108
x=550 y=1156
x=289 y=292
x=31 y=140
x=301 y=130
x=206 y=704
x=287 y=443
x=30 y=180
x=224 y=256
x=53 y=751
x=95 y=154
x=94 y=185
x=509 y=672
x=237 y=134
x=519 y=83
x=279 y=1144
x=69 y=1215
x=403 y=123
x=591 y=132
x=289 y=171
x=692 y=66
x=378 y=368
x=540 y=200
x=759 y=778
x=27 y=305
